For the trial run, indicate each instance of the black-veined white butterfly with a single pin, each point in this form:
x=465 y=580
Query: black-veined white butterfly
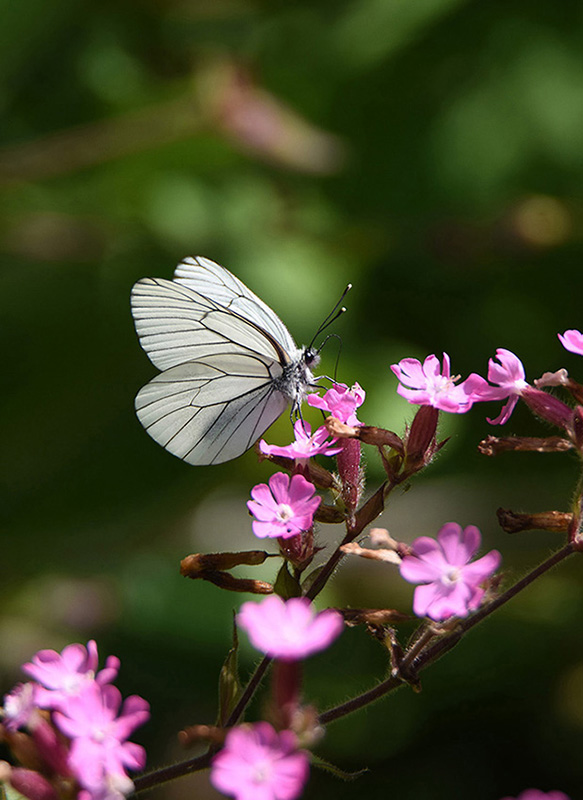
x=229 y=365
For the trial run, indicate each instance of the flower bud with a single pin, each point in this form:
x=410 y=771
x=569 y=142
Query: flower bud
x=514 y=522
x=51 y=747
x=420 y=441
x=195 y=565
x=549 y=408
x=32 y=784
x=494 y=445
x=372 y=616
x=199 y=566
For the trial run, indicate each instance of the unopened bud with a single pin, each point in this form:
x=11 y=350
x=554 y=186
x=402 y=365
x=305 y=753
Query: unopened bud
x=494 y=445
x=420 y=442
x=32 y=784
x=50 y=746
x=348 y=461
x=549 y=408
x=195 y=565
x=379 y=437
x=372 y=616
x=514 y=522
x=195 y=734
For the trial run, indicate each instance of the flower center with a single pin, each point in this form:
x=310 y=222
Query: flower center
x=443 y=384
x=284 y=512
x=262 y=772
x=451 y=577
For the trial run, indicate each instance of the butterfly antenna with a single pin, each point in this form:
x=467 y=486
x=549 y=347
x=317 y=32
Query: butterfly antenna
x=332 y=316
x=333 y=336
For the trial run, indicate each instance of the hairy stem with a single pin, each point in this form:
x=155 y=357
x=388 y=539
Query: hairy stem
x=414 y=660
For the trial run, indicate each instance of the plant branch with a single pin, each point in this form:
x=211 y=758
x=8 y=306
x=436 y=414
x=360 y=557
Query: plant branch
x=414 y=661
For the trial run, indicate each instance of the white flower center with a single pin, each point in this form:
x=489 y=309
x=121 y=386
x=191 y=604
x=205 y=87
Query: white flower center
x=442 y=384
x=284 y=512
x=451 y=577
x=262 y=772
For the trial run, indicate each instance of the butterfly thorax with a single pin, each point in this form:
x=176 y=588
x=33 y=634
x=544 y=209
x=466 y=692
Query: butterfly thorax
x=297 y=376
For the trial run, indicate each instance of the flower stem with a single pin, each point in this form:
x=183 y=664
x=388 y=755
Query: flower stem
x=415 y=661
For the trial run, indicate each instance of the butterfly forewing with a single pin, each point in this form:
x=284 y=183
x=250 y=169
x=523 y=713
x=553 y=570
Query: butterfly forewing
x=218 y=284
x=176 y=324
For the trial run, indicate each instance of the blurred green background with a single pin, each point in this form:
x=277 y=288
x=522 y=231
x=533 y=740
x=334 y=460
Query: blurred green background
x=429 y=151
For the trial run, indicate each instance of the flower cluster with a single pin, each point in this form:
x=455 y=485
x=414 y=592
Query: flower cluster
x=258 y=762
x=428 y=384
x=68 y=697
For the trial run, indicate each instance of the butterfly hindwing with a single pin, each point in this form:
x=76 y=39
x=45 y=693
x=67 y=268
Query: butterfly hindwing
x=206 y=415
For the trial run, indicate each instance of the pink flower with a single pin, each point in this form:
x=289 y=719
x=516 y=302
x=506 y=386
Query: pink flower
x=99 y=752
x=341 y=402
x=509 y=375
x=432 y=386
x=305 y=446
x=257 y=763
x=450 y=583
x=572 y=340
x=20 y=707
x=62 y=675
x=536 y=794
x=289 y=630
x=284 y=508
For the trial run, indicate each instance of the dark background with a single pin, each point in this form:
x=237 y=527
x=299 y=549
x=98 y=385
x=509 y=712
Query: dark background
x=429 y=151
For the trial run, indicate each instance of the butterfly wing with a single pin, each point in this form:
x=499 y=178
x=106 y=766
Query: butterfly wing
x=212 y=410
x=218 y=284
x=176 y=324
x=219 y=389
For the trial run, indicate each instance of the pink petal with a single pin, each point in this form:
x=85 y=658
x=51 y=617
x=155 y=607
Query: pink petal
x=280 y=487
x=300 y=490
x=483 y=568
x=459 y=545
x=261 y=511
x=506 y=412
x=572 y=340
x=414 y=570
x=262 y=494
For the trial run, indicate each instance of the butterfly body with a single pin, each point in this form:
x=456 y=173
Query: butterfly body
x=229 y=365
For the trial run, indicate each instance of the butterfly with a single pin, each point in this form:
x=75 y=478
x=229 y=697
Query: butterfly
x=229 y=365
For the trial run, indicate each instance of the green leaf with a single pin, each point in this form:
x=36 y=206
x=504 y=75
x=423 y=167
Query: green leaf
x=229 y=684
x=286 y=585
x=336 y=771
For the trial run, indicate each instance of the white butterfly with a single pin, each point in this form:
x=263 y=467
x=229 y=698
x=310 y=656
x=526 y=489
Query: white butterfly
x=230 y=366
